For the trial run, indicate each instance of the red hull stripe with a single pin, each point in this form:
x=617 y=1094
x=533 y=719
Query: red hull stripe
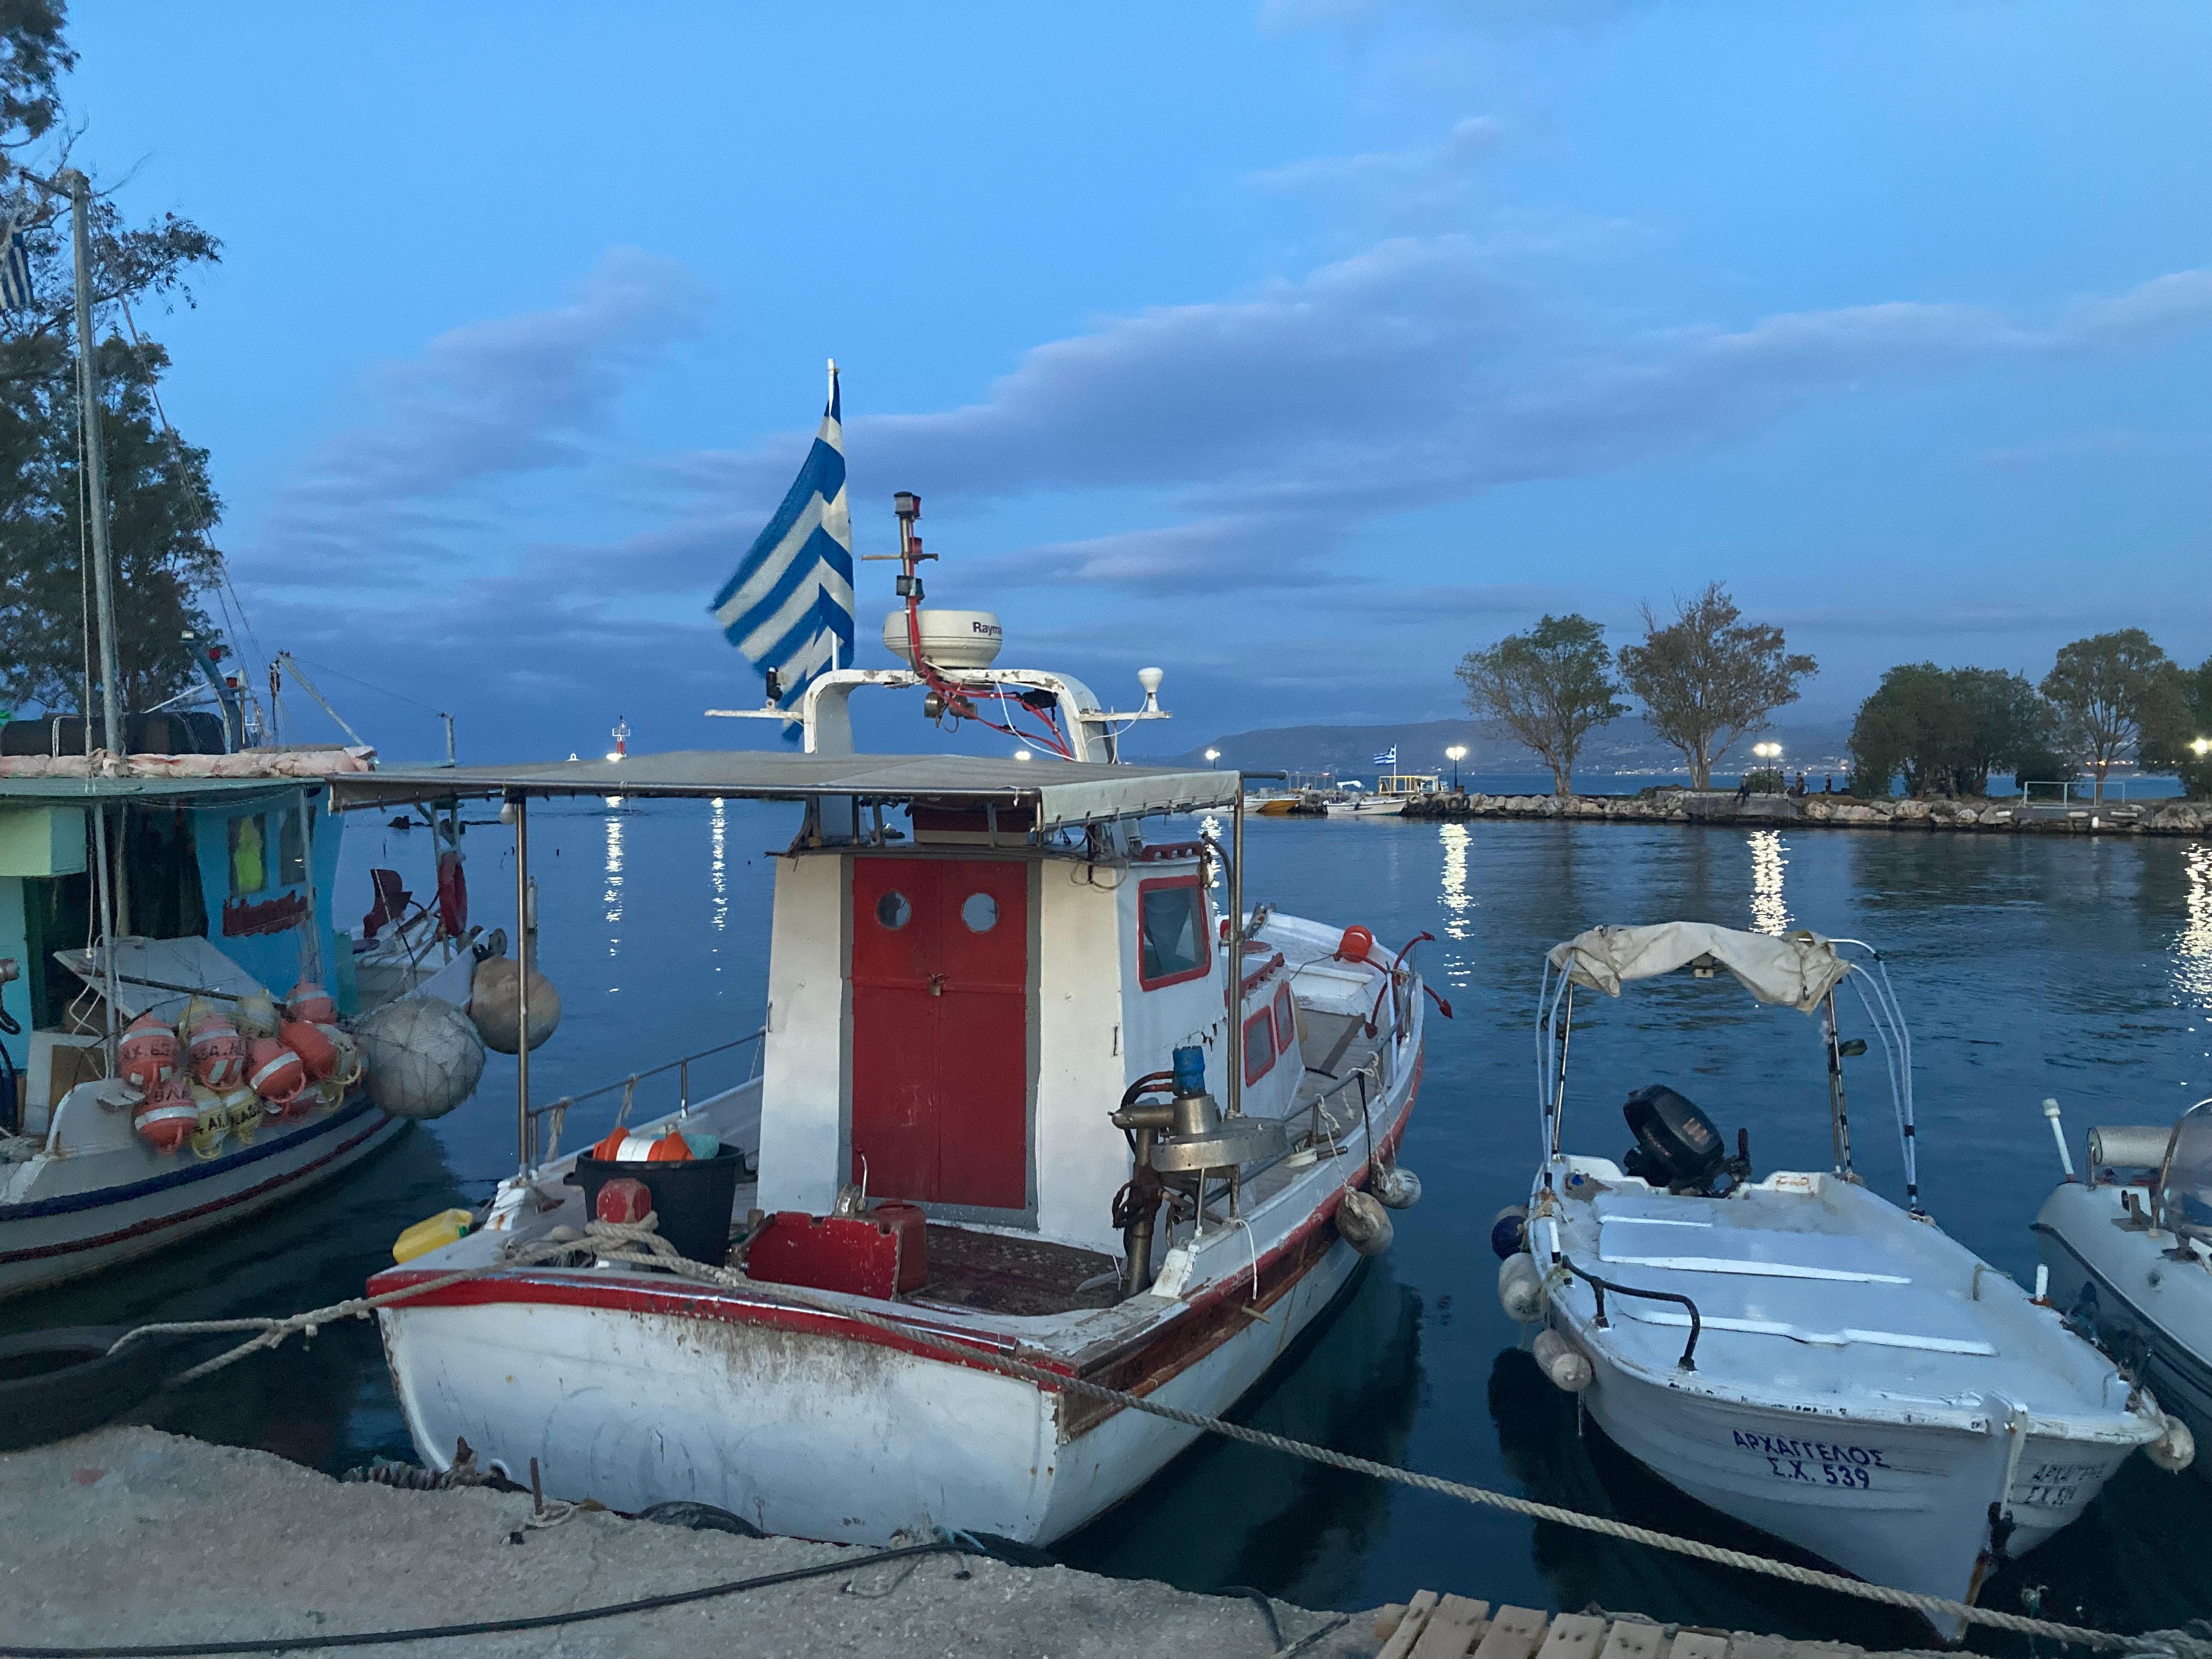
x=655 y=1295
x=157 y=1223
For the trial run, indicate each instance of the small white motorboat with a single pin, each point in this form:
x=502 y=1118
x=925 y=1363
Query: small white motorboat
x=2129 y=1255
x=1795 y=1351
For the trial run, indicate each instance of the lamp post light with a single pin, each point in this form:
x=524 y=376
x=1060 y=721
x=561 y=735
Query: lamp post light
x=2201 y=747
x=1211 y=756
x=1021 y=754
x=1455 y=754
x=1767 y=751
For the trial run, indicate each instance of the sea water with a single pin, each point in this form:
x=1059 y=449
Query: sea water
x=2029 y=967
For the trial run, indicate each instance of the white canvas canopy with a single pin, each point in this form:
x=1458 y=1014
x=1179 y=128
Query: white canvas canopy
x=1795 y=971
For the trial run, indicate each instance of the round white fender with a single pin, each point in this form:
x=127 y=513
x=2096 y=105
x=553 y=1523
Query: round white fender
x=1567 y=1366
x=1521 y=1287
x=1363 y=1223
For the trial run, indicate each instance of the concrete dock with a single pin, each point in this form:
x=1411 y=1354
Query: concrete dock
x=132 y=1536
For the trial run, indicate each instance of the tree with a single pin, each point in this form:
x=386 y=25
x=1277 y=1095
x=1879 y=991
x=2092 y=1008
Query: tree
x=1709 y=678
x=1948 y=729
x=2172 y=739
x=160 y=506
x=1548 y=688
x=2109 y=690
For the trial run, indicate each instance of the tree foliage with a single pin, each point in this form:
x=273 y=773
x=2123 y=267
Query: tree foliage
x=2111 y=690
x=1709 y=678
x=160 y=507
x=1548 y=688
x=2177 y=727
x=1947 y=729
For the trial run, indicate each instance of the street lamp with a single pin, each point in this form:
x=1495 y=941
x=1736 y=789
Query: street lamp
x=1767 y=751
x=1455 y=754
x=1021 y=754
x=2202 y=747
x=1211 y=756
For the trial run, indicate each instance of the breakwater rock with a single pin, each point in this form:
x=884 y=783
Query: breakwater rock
x=2150 y=817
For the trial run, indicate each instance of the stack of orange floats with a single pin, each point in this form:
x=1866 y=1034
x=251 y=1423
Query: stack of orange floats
x=236 y=1072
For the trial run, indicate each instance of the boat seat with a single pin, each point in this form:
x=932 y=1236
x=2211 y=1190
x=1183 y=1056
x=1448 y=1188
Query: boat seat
x=1701 y=1246
x=1652 y=1313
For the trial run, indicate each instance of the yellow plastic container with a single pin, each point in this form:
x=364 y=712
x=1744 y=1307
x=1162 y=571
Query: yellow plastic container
x=435 y=1234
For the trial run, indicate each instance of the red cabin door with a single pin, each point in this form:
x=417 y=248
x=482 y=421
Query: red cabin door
x=940 y=1030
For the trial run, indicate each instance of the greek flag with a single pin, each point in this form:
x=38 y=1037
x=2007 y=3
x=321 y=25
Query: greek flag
x=15 y=266
x=1388 y=757
x=789 y=607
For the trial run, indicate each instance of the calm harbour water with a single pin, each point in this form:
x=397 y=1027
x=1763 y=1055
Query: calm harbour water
x=2028 y=968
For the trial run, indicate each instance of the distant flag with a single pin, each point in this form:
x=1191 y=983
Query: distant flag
x=789 y=607
x=1388 y=756
x=14 y=265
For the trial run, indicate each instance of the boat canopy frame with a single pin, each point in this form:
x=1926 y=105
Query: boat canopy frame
x=1801 y=970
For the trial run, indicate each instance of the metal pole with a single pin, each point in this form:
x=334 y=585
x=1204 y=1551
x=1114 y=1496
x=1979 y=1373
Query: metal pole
x=1236 y=951
x=521 y=804
x=1838 y=1118
x=96 y=461
x=449 y=720
x=313 y=951
x=103 y=879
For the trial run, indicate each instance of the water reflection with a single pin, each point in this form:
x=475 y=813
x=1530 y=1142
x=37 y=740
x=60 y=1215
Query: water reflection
x=718 y=867
x=1458 y=907
x=613 y=898
x=2192 y=947
x=1229 y=1513
x=1770 y=912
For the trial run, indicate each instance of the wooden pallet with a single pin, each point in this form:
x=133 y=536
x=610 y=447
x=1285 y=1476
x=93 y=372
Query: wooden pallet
x=1432 y=1626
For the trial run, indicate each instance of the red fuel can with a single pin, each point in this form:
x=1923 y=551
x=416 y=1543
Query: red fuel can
x=912 y=1226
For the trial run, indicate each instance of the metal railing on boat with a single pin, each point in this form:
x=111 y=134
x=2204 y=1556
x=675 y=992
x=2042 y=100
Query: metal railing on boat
x=557 y=1110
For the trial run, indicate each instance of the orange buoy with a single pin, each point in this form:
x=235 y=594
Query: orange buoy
x=166 y=1119
x=1355 y=945
x=275 y=1072
x=308 y=1002
x=147 y=1053
x=317 y=1055
x=628 y=1146
x=216 y=1051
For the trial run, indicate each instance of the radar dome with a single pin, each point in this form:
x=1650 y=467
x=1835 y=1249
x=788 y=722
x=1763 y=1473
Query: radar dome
x=950 y=639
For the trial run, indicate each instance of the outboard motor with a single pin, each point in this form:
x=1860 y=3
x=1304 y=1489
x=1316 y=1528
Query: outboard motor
x=1677 y=1146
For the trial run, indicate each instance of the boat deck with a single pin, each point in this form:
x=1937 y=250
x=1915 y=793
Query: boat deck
x=998 y=1273
x=1816 y=1290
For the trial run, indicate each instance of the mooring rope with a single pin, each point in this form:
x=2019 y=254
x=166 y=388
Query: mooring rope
x=640 y=1244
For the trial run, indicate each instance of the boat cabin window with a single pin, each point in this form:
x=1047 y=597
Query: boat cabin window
x=1287 y=1020
x=291 y=848
x=1171 y=945
x=1258 y=1047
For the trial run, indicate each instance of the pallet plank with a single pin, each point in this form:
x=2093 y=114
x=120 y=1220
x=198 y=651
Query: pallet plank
x=1745 y=1645
x=1573 y=1636
x=1516 y=1633
x=1453 y=1628
x=1696 y=1644
x=1630 y=1639
x=1401 y=1641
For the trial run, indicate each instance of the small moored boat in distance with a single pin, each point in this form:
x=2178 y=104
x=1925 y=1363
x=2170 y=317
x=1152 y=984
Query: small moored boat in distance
x=1794 y=1350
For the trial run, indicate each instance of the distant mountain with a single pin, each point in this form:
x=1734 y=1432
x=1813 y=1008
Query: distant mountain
x=1626 y=748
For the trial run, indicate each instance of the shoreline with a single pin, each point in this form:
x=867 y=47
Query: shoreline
x=2173 y=816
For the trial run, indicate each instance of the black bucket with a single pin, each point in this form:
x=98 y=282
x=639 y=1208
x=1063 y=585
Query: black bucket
x=693 y=1198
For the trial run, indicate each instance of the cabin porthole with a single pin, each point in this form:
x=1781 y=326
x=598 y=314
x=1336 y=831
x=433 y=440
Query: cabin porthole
x=979 y=911
x=893 y=911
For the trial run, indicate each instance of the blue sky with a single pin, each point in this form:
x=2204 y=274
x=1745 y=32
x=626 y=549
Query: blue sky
x=1296 y=348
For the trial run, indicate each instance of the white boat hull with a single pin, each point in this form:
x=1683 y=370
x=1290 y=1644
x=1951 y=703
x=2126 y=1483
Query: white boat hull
x=1371 y=806
x=2149 y=1312
x=793 y=1423
x=63 y=1216
x=1903 y=1506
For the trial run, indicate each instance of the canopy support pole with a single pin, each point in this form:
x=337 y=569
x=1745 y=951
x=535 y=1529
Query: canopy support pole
x=520 y=802
x=1838 y=1114
x=1235 y=992
x=1563 y=1028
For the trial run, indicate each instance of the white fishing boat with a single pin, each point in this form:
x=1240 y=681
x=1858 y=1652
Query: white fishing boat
x=221 y=889
x=1026 y=1091
x=1794 y=1350
x=2129 y=1255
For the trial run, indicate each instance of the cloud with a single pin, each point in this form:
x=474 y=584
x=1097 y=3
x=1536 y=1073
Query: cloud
x=1423 y=178
x=530 y=393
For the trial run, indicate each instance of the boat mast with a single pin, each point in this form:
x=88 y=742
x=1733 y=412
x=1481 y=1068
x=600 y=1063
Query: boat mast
x=95 y=462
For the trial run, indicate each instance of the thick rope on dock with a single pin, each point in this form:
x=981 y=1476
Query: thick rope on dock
x=639 y=1244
